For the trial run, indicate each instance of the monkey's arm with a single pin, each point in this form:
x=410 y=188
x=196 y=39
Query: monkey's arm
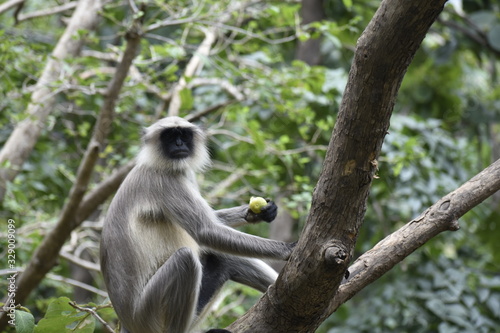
x=201 y=222
x=225 y=239
x=233 y=217
x=241 y=215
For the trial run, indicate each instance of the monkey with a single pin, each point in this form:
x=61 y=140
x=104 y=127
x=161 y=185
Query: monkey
x=164 y=252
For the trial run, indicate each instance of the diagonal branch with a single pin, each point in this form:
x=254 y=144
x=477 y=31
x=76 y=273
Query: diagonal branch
x=47 y=12
x=194 y=65
x=9 y=4
x=101 y=193
x=312 y=276
x=441 y=216
x=46 y=254
x=22 y=140
x=472 y=32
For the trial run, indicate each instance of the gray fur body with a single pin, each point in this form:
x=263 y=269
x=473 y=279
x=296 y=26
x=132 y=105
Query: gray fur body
x=165 y=252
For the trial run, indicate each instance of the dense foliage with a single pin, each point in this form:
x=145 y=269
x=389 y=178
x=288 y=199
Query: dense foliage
x=270 y=118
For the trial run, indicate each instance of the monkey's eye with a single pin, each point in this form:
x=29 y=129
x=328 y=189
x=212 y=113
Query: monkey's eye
x=174 y=134
x=186 y=135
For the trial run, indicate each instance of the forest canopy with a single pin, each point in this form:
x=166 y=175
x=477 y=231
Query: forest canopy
x=79 y=80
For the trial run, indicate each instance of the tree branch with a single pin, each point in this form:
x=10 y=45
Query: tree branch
x=203 y=51
x=195 y=116
x=311 y=277
x=9 y=4
x=59 y=278
x=47 y=12
x=88 y=265
x=101 y=192
x=472 y=32
x=22 y=140
x=46 y=254
x=224 y=84
x=108 y=328
x=194 y=65
x=441 y=216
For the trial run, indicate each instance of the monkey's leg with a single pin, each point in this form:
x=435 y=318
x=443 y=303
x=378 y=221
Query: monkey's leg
x=215 y=274
x=252 y=272
x=168 y=301
x=219 y=268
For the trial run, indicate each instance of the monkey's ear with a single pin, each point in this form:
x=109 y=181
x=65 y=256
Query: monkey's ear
x=144 y=136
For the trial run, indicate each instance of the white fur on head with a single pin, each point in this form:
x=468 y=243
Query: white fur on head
x=151 y=154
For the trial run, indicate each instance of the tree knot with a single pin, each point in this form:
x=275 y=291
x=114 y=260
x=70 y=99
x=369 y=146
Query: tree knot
x=335 y=254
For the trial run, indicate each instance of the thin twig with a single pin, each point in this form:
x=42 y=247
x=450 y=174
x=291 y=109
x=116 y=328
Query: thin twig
x=195 y=116
x=47 y=12
x=78 y=284
x=88 y=265
x=93 y=313
x=59 y=278
x=224 y=84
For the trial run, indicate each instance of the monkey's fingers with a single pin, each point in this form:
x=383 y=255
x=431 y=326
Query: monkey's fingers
x=269 y=212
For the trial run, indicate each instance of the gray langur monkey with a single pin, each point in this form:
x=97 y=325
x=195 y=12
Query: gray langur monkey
x=165 y=253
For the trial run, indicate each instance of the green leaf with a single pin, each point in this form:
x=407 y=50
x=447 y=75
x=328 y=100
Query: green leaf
x=483 y=19
x=347 y=3
x=493 y=304
x=62 y=317
x=494 y=37
x=25 y=322
x=84 y=129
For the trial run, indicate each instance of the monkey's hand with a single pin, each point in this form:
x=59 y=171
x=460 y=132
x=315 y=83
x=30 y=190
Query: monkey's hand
x=291 y=246
x=268 y=213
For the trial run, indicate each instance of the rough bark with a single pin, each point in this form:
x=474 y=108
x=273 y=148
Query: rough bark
x=45 y=256
x=441 y=216
x=22 y=140
x=281 y=229
x=495 y=153
x=309 y=281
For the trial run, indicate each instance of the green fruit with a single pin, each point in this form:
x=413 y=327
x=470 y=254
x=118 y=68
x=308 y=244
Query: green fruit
x=256 y=204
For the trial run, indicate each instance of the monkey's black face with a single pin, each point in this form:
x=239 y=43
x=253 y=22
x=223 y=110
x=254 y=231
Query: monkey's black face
x=177 y=142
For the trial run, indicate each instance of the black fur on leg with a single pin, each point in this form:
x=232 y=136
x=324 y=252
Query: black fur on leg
x=215 y=274
x=218 y=330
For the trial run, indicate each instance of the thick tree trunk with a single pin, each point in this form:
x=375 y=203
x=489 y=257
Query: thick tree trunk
x=22 y=140
x=299 y=298
x=281 y=229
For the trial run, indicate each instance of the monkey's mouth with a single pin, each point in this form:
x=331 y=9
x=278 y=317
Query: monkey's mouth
x=180 y=153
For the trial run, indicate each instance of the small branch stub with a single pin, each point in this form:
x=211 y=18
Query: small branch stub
x=454 y=225
x=335 y=254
